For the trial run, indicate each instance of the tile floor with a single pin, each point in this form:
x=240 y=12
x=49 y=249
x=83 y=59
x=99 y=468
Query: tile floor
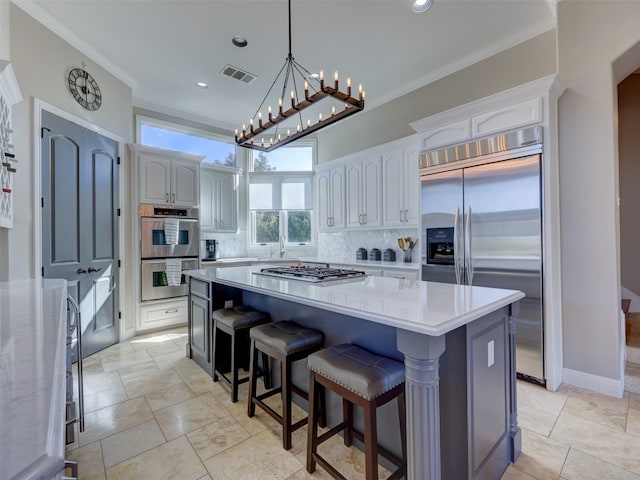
x=153 y=414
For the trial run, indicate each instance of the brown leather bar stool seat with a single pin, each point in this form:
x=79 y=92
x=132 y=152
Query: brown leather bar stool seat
x=364 y=379
x=287 y=342
x=235 y=322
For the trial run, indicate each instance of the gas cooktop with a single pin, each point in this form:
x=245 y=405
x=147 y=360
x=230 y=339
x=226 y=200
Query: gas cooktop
x=312 y=274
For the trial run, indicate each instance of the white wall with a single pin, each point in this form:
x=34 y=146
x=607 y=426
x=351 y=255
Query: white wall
x=592 y=38
x=41 y=61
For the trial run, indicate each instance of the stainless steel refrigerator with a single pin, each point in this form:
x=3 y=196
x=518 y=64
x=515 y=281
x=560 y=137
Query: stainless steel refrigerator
x=481 y=221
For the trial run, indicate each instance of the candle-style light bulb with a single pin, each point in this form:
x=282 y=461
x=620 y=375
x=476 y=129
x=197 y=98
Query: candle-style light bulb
x=360 y=91
x=306 y=90
x=320 y=117
x=270 y=113
x=280 y=105
x=308 y=123
x=243 y=129
x=293 y=98
x=333 y=110
x=321 y=79
x=349 y=86
x=288 y=132
x=335 y=80
x=260 y=119
x=298 y=128
x=236 y=134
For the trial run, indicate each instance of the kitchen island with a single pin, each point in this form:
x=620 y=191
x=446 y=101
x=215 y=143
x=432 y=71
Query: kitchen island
x=457 y=343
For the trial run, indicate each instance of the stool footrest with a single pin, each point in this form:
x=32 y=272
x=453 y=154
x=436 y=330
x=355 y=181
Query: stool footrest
x=328 y=467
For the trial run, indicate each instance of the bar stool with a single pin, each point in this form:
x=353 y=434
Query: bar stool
x=364 y=379
x=235 y=322
x=287 y=342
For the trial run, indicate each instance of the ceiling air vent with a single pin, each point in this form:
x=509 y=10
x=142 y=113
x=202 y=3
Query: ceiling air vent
x=237 y=74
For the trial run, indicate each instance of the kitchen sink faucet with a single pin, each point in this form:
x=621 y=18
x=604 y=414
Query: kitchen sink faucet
x=282 y=251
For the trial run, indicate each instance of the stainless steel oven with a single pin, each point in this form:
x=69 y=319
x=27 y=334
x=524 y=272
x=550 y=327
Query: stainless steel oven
x=155 y=281
x=168 y=232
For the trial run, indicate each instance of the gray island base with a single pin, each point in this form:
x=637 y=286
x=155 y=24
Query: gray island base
x=457 y=344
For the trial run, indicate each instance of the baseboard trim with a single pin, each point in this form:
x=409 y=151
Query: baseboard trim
x=595 y=383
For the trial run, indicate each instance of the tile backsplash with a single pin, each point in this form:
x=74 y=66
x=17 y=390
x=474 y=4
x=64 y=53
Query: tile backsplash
x=343 y=245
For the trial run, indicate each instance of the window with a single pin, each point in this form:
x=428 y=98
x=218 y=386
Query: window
x=281 y=206
x=281 y=196
x=157 y=133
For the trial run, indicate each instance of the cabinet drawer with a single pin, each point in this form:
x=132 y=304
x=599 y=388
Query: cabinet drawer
x=406 y=274
x=200 y=287
x=162 y=315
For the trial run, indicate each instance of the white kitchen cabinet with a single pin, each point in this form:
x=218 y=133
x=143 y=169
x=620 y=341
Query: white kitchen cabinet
x=402 y=273
x=162 y=314
x=218 y=199
x=363 y=195
x=401 y=185
x=331 y=199
x=166 y=177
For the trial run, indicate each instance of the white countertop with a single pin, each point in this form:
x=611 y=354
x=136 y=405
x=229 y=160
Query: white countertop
x=423 y=307
x=334 y=261
x=32 y=378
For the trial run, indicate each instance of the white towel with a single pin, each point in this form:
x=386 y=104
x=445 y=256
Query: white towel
x=173 y=269
x=171 y=230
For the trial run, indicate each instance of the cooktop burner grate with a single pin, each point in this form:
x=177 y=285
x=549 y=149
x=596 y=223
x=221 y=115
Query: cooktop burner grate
x=311 y=273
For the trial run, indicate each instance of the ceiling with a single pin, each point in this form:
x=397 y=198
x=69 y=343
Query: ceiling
x=160 y=48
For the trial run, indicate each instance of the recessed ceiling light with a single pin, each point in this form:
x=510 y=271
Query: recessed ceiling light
x=420 y=6
x=201 y=85
x=239 y=41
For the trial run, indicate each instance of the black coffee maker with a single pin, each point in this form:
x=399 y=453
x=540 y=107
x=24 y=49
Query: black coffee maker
x=211 y=250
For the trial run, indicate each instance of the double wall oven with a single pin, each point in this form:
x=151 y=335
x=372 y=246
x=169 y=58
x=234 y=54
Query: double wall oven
x=169 y=244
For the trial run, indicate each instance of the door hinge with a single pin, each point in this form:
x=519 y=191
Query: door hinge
x=42 y=202
x=42 y=131
x=118 y=212
x=118 y=160
x=42 y=268
x=118 y=263
x=120 y=315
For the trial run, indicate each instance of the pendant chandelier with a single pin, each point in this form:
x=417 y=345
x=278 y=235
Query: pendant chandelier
x=305 y=115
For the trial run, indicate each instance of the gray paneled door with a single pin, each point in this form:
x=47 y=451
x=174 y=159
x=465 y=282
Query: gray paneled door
x=80 y=223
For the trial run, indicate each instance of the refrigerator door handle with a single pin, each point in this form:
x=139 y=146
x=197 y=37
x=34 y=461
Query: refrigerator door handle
x=467 y=259
x=456 y=242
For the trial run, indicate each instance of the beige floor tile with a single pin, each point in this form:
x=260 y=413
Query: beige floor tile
x=136 y=370
x=200 y=382
x=535 y=396
x=259 y=457
x=216 y=437
x=153 y=343
x=541 y=457
x=190 y=415
x=512 y=473
x=157 y=380
x=598 y=408
x=89 y=458
x=170 y=461
x=104 y=399
x=536 y=420
x=90 y=365
x=168 y=359
x=117 y=360
x=185 y=367
x=206 y=477
x=633 y=422
x=114 y=419
x=100 y=382
x=580 y=466
x=634 y=401
x=131 y=442
x=597 y=440
x=116 y=349
x=632 y=377
x=169 y=396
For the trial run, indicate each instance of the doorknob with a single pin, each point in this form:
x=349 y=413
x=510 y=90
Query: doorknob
x=91 y=269
x=81 y=271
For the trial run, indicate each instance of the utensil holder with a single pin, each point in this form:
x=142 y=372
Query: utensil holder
x=407 y=256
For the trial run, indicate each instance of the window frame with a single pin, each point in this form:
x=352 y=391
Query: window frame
x=187 y=130
x=282 y=229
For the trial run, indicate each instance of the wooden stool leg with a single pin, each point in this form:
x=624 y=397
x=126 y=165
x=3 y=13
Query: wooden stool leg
x=286 y=403
x=403 y=428
x=312 y=428
x=347 y=416
x=266 y=371
x=370 y=442
x=322 y=407
x=234 y=369
x=215 y=351
x=253 y=378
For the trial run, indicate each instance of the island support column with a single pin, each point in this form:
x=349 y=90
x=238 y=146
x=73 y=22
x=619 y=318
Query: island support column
x=515 y=434
x=422 y=389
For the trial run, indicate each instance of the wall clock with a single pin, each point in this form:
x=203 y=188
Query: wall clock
x=85 y=89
